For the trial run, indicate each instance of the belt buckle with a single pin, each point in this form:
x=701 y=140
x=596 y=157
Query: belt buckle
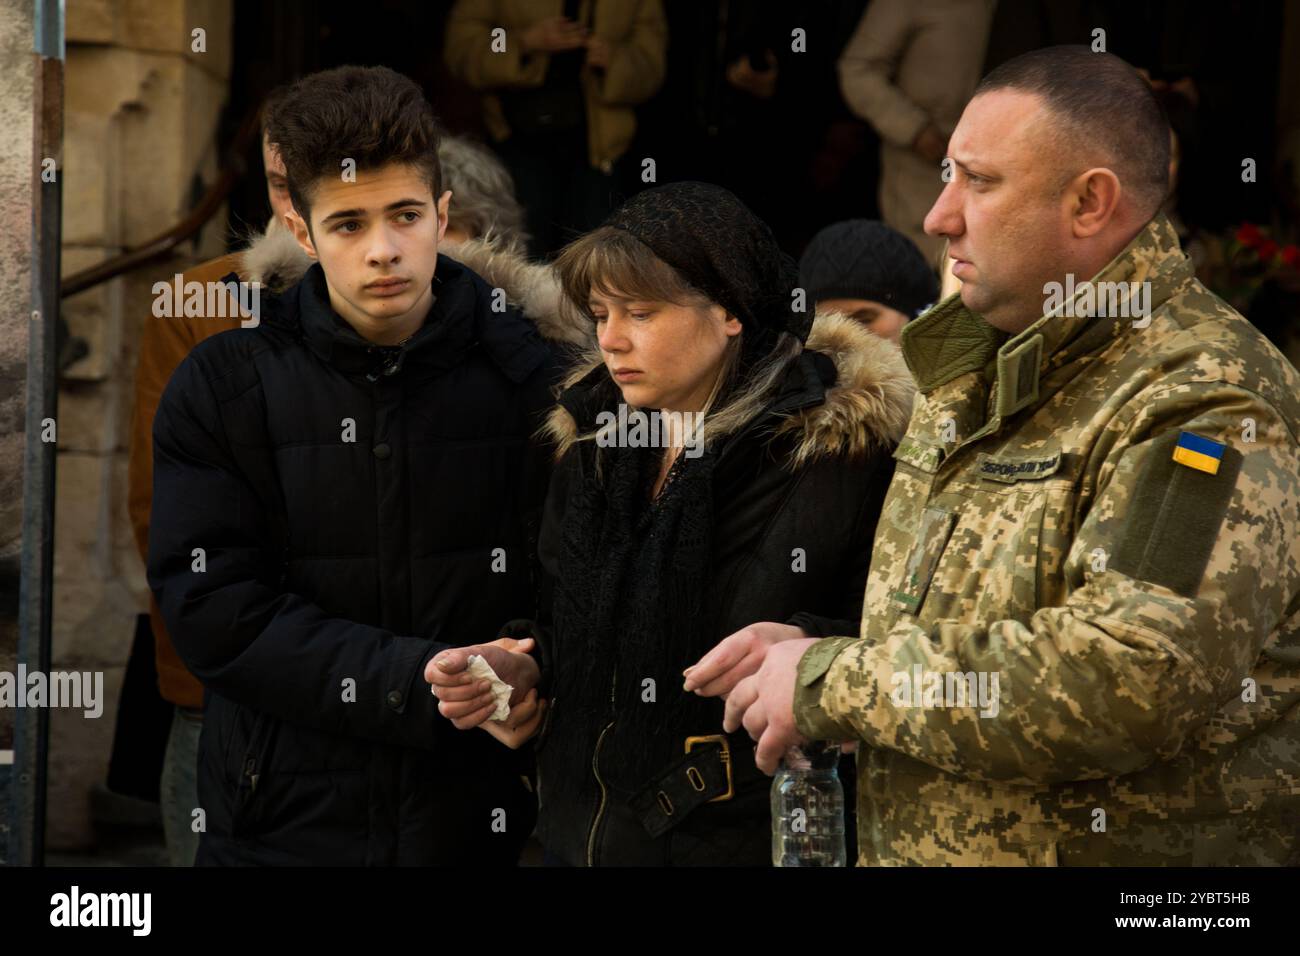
x=720 y=739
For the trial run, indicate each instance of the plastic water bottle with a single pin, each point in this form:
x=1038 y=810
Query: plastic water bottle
x=808 y=807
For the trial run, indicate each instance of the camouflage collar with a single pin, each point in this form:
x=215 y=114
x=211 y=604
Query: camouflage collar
x=950 y=340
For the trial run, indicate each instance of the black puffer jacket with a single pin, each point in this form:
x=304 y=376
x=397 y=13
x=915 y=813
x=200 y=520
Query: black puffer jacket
x=321 y=527
x=809 y=471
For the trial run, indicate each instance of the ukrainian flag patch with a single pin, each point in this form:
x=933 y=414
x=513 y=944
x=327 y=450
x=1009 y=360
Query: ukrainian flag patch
x=1203 y=454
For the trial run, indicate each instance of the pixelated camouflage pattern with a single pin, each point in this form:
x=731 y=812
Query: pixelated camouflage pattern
x=1119 y=695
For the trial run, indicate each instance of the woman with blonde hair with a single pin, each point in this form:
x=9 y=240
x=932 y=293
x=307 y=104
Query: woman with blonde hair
x=753 y=507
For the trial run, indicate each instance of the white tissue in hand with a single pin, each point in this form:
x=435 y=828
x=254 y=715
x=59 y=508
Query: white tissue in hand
x=480 y=669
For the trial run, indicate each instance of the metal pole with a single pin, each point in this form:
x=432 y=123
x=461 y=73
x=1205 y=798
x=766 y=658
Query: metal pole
x=26 y=824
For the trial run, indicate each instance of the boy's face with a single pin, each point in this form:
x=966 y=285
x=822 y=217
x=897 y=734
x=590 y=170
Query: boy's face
x=377 y=242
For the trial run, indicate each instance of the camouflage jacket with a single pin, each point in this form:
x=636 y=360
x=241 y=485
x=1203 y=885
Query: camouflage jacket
x=1081 y=633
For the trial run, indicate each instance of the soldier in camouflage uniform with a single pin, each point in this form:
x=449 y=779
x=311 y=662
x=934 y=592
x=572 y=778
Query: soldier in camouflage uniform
x=1102 y=511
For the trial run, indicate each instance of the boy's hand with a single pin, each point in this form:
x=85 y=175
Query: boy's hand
x=467 y=701
x=522 y=724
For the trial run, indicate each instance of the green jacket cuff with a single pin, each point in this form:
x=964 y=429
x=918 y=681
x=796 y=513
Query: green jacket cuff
x=809 y=717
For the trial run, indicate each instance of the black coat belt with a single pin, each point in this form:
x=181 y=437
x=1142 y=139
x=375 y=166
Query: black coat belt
x=705 y=774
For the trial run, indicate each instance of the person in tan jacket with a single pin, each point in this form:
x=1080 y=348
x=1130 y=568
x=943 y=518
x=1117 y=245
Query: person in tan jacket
x=908 y=70
x=165 y=341
x=561 y=80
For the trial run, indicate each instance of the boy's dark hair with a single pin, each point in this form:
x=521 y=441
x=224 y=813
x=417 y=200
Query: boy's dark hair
x=1098 y=100
x=369 y=114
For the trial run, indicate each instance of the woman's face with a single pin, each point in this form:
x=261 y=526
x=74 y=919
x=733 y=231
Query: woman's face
x=662 y=355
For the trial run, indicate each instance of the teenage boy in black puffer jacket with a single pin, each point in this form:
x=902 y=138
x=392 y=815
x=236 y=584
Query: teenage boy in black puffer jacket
x=340 y=493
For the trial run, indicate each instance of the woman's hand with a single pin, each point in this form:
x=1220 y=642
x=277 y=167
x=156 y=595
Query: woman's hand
x=522 y=724
x=467 y=701
x=736 y=657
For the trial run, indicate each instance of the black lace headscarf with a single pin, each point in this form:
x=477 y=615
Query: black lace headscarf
x=726 y=252
x=635 y=574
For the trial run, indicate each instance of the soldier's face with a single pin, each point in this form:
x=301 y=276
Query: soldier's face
x=1001 y=210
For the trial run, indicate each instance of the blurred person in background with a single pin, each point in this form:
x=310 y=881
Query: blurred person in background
x=758 y=79
x=561 y=86
x=483 y=203
x=164 y=343
x=908 y=71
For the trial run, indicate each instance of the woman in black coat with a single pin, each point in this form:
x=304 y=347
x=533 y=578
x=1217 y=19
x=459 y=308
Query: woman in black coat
x=661 y=536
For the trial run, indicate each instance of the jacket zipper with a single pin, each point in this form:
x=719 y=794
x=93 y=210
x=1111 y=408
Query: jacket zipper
x=595 y=769
x=541 y=736
x=256 y=744
x=251 y=770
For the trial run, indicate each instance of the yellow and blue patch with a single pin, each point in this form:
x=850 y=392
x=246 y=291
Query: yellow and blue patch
x=1203 y=454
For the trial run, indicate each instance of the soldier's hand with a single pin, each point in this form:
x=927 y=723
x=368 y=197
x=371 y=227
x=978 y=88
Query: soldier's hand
x=467 y=701
x=736 y=657
x=522 y=724
x=763 y=704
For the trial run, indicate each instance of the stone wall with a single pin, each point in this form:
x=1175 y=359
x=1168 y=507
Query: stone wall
x=141 y=114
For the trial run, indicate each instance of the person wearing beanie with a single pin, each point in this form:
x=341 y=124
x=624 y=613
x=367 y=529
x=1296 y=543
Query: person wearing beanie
x=750 y=515
x=869 y=272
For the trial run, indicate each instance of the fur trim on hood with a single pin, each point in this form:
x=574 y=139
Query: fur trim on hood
x=531 y=286
x=277 y=261
x=869 y=405
x=867 y=409
x=274 y=259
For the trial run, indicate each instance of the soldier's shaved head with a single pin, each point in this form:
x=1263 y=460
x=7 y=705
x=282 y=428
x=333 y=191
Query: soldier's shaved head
x=1100 y=111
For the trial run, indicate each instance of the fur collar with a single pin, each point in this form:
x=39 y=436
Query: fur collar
x=870 y=404
x=866 y=409
x=275 y=259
